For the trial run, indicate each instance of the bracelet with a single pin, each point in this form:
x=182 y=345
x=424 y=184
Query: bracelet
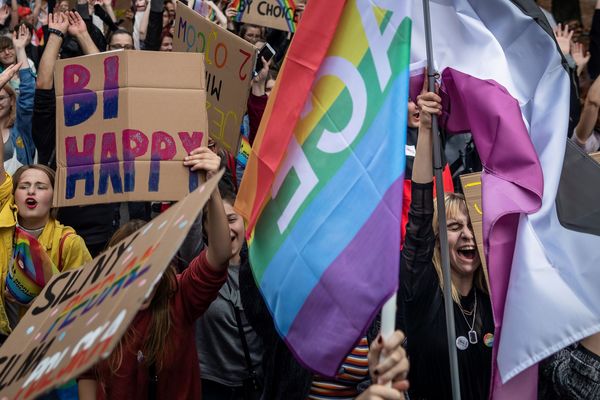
x=56 y=32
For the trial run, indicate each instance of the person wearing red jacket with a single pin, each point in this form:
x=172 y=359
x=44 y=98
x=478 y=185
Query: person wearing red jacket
x=156 y=358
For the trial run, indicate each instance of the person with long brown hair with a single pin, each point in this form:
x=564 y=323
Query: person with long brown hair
x=421 y=284
x=156 y=357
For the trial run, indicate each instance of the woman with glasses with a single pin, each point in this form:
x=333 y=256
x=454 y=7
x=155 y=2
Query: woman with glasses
x=16 y=111
x=120 y=39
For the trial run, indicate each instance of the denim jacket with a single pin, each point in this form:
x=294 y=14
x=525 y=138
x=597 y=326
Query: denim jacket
x=20 y=133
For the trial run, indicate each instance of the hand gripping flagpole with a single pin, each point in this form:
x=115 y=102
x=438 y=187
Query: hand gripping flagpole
x=441 y=206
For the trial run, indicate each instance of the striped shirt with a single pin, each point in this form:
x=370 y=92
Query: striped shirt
x=354 y=370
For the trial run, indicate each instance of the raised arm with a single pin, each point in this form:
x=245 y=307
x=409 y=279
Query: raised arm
x=221 y=19
x=5 y=77
x=36 y=11
x=219 y=242
x=57 y=25
x=144 y=23
x=78 y=29
x=14 y=15
x=429 y=103
x=589 y=115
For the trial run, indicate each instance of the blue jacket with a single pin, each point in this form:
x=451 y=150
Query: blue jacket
x=20 y=133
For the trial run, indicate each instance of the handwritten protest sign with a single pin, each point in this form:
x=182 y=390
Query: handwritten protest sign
x=122 y=132
x=278 y=14
x=81 y=315
x=471 y=184
x=229 y=65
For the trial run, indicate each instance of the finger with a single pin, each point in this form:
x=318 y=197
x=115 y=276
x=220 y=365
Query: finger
x=389 y=363
x=374 y=353
x=393 y=342
x=398 y=371
x=200 y=150
x=384 y=392
x=570 y=35
x=402 y=385
x=425 y=81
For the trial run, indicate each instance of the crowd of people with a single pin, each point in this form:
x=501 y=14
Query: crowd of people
x=208 y=299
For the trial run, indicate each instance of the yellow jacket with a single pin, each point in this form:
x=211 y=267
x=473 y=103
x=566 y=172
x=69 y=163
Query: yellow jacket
x=74 y=252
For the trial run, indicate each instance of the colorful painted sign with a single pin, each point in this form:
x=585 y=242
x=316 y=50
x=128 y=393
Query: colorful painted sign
x=229 y=67
x=122 y=132
x=81 y=315
x=277 y=14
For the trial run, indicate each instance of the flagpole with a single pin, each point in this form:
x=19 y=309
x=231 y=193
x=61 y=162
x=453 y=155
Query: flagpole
x=441 y=206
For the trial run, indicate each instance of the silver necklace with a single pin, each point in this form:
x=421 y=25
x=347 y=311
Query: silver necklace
x=461 y=342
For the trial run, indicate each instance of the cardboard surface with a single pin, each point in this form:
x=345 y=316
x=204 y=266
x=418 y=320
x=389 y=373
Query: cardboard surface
x=122 y=131
x=269 y=13
x=229 y=65
x=81 y=315
x=471 y=184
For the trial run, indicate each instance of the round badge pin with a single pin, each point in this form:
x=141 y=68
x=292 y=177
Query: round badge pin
x=488 y=339
x=462 y=343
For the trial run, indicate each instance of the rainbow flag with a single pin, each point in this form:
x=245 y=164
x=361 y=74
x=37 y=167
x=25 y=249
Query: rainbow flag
x=322 y=191
x=31 y=268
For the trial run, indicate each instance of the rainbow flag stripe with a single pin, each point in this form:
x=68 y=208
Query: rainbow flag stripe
x=322 y=191
x=30 y=269
x=239 y=6
x=289 y=4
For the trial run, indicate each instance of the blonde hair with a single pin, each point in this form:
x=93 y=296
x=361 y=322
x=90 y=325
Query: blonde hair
x=12 y=116
x=455 y=205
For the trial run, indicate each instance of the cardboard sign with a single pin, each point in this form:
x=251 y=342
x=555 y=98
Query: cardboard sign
x=125 y=121
x=81 y=315
x=471 y=184
x=277 y=14
x=229 y=65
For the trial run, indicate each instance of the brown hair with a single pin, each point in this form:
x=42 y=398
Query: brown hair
x=6 y=43
x=45 y=169
x=156 y=344
x=455 y=204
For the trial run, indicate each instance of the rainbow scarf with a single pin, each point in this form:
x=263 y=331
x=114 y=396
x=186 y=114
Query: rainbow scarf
x=31 y=268
x=322 y=191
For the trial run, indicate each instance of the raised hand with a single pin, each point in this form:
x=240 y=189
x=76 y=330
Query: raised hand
x=77 y=25
x=58 y=21
x=231 y=13
x=203 y=159
x=581 y=59
x=8 y=74
x=21 y=38
x=4 y=13
x=563 y=37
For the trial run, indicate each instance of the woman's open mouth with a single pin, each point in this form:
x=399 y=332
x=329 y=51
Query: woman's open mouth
x=31 y=203
x=467 y=252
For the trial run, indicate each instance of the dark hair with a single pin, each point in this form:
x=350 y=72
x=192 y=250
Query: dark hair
x=118 y=31
x=40 y=167
x=6 y=43
x=27 y=24
x=244 y=28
